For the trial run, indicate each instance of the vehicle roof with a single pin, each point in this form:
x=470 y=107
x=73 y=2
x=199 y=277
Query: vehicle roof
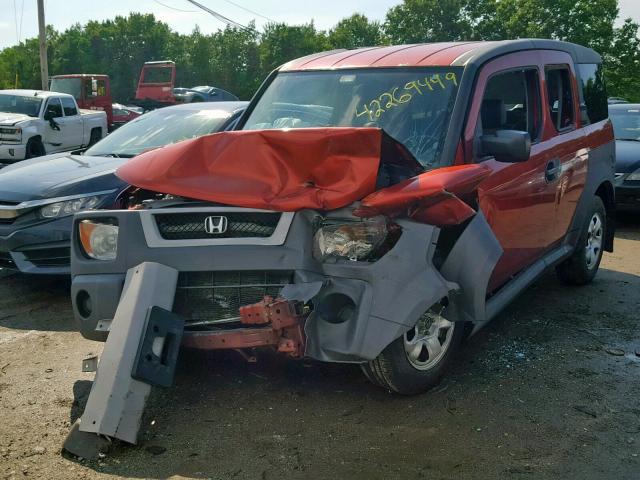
x=160 y=62
x=624 y=106
x=433 y=54
x=35 y=93
x=76 y=75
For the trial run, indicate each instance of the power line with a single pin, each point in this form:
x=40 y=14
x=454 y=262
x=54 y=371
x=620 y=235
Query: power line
x=15 y=19
x=219 y=16
x=174 y=8
x=250 y=11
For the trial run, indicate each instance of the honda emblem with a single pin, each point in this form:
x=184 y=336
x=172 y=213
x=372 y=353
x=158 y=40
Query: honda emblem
x=215 y=225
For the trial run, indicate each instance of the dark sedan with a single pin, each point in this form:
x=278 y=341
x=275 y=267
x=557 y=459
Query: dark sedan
x=39 y=197
x=626 y=124
x=202 y=93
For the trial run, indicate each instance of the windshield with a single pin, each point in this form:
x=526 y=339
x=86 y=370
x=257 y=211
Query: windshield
x=626 y=123
x=19 y=104
x=157 y=129
x=157 y=75
x=72 y=86
x=413 y=105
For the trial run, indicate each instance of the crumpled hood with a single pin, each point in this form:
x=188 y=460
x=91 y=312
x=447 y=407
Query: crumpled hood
x=283 y=170
x=12 y=118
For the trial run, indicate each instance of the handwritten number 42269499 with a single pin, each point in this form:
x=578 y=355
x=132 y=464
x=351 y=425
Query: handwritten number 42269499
x=396 y=97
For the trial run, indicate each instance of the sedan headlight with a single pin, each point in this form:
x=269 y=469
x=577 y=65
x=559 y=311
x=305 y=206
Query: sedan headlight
x=635 y=176
x=354 y=240
x=69 y=207
x=99 y=238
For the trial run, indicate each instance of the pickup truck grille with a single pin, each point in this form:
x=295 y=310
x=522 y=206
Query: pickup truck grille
x=191 y=226
x=206 y=298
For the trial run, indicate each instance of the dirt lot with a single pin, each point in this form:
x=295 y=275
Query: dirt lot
x=548 y=390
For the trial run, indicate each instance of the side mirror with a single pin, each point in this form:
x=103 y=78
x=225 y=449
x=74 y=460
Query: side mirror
x=507 y=145
x=48 y=116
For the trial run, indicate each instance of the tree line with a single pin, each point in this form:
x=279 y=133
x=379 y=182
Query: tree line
x=239 y=59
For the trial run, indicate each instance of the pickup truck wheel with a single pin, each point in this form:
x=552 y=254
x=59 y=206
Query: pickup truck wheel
x=34 y=148
x=96 y=135
x=416 y=361
x=582 y=266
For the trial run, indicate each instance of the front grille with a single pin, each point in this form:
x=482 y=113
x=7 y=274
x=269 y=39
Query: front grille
x=6 y=261
x=217 y=296
x=49 y=257
x=191 y=226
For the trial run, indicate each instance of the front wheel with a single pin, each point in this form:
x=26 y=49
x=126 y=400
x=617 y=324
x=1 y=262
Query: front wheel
x=416 y=361
x=583 y=264
x=34 y=149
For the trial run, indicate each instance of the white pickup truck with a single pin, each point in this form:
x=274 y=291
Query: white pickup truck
x=35 y=123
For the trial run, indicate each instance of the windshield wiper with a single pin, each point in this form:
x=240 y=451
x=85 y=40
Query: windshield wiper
x=115 y=155
x=629 y=139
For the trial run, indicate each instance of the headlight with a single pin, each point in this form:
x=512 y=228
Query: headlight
x=69 y=207
x=355 y=240
x=99 y=238
x=11 y=130
x=634 y=176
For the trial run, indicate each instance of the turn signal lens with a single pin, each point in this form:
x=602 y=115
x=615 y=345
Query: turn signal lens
x=99 y=239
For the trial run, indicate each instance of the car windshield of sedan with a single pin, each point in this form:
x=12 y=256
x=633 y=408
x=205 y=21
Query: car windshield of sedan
x=20 y=104
x=626 y=123
x=413 y=105
x=157 y=129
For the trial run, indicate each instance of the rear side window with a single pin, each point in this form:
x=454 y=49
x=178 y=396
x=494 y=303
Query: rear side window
x=593 y=93
x=560 y=98
x=69 y=107
x=511 y=101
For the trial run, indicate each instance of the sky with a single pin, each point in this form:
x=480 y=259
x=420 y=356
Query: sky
x=19 y=17
x=64 y=13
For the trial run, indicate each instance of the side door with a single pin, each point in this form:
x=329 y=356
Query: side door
x=570 y=149
x=518 y=199
x=73 y=124
x=53 y=131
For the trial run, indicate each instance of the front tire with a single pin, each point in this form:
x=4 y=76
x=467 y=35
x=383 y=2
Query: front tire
x=583 y=264
x=416 y=361
x=34 y=149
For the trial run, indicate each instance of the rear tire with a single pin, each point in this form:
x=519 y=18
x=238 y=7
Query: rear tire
x=96 y=135
x=34 y=148
x=583 y=264
x=416 y=361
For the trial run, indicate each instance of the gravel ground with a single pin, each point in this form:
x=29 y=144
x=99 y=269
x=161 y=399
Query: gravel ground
x=548 y=390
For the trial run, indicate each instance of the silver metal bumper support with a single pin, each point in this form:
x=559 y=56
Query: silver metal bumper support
x=116 y=401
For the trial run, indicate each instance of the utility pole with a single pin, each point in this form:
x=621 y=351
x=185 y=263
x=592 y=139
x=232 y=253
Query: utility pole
x=44 y=68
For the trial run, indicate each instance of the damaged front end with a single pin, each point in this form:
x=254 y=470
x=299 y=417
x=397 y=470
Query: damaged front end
x=333 y=256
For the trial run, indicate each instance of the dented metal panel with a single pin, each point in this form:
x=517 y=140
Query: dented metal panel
x=283 y=170
x=116 y=401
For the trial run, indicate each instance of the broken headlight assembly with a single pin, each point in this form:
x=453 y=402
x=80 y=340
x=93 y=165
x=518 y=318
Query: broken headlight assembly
x=99 y=238
x=355 y=240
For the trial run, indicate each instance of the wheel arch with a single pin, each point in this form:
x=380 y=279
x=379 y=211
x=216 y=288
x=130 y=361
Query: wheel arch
x=606 y=192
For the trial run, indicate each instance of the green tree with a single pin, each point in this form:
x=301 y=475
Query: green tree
x=622 y=63
x=354 y=32
x=280 y=43
x=415 y=21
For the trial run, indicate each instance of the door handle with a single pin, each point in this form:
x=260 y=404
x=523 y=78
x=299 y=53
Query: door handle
x=552 y=171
